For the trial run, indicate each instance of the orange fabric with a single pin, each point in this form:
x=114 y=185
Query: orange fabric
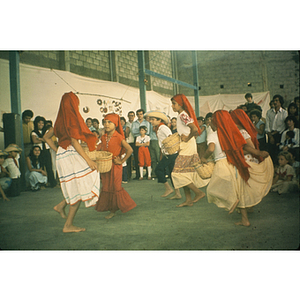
x=70 y=124
x=231 y=141
x=114 y=144
x=187 y=107
x=144 y=157
x=241 y=118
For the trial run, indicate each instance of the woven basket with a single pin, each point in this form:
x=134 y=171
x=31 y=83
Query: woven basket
x=172 y=143
x=104 y=161
x=204 y=170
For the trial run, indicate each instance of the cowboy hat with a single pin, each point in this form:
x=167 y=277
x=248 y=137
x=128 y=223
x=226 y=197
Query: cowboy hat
x=159 y=115
x=3 y=153
x=13 y=147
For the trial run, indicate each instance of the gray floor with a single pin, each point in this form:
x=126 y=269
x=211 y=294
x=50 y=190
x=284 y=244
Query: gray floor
x=28 y=222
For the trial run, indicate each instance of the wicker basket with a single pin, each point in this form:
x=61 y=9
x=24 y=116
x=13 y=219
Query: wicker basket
x=104 y=161
x=204 y=170
x=172 y=143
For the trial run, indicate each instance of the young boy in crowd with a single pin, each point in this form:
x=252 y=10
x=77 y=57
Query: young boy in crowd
x=5 y=180
x=143 y=142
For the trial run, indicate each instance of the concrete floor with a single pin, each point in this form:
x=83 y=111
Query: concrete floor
x=28 y=222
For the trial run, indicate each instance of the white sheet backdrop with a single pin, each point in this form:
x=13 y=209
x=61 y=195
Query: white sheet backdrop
x=42 y=89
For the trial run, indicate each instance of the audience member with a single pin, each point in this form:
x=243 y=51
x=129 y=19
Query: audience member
x=28 y=127
x=130 y=141
x=250 y=104
x=173 y=125
x=293 y=111
x=89 y=123
x=255 y=116
x=135 y=129
x=201 y=139
x=275 y=126
x=5 y=180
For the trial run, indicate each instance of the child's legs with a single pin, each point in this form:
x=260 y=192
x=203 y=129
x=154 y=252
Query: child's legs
x=160 y=170
x=124 y=174
x=15 y=187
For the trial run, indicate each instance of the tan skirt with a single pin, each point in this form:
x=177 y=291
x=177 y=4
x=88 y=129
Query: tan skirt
x=183 y=172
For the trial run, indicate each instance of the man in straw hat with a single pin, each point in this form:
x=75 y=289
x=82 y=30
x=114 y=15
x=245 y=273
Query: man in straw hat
x=13 y=167
x=5 y=180
x=159 y=121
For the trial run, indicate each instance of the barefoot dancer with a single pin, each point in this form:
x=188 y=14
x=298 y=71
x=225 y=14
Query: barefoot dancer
x=261 y=166
x=226 y=142
x=113 y=196
x=159 y=121
x=77 y=173
x=184 y=174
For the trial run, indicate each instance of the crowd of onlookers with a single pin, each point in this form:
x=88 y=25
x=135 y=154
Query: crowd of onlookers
x=277 y=133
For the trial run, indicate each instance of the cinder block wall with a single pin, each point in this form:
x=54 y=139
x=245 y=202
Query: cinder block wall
x=219 y=72
x=274 y=71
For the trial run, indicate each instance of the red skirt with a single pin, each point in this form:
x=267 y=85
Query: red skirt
x=113 y=197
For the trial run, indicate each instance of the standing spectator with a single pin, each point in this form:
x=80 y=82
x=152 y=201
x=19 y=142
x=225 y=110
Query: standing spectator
x=201 y=139
x=255 y=116
x=296 y=100
x=89 y=124
x=130 y=141
x=250 y=104
x=37 y=137
x=135 y=129
x=28 y=127
x=275 y=126
x=95 y=123
x=174 y=125
x=154 y=149
x=5 y=180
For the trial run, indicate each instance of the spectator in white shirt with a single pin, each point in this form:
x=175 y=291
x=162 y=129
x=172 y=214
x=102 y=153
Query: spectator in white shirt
x=275 y=126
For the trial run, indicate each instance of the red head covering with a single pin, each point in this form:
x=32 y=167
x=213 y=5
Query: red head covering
x=241 y=118
x=231 y=141
x=117 y=121
x=70 y=124
x=187 y=107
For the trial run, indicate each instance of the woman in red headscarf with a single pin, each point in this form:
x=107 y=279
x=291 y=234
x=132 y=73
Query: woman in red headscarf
x=113 y=196
x=77 y=173
x=184 y=174
x=261 y=169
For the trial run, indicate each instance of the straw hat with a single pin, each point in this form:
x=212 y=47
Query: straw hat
x=158 y=114
x=13 y=147
x=3 y=153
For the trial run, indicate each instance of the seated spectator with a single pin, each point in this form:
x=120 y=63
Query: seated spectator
x=36 y=175
x=285 y=176
x=293 y=111
x=290 y=138
x=95 y=123
x=12 y=165
x=5 y=180
x=255 y=116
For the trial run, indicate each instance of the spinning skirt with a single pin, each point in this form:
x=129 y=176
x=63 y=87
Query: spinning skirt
x=78 y=181
x=183 y=172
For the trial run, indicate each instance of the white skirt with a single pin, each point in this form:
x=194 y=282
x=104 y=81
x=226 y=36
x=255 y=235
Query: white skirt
x=78 y=181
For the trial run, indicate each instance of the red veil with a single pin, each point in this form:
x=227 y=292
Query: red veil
x=70 y=124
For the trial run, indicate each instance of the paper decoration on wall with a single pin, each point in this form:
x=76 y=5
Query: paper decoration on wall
x=86 y=109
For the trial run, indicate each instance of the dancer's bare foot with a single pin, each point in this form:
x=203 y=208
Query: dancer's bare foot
x=175 y=197
x=60 y=210
x=73 y=228
x=198 y=196
x=167 y=193
x=111 y=215
x=234 y=206
x=185 y=204
x=242 y=223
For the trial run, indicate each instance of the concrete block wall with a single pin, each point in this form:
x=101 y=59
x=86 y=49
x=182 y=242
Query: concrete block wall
x=235 y=70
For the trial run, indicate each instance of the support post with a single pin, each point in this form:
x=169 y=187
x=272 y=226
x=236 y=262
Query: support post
x=15 y=101
x=196 y=84
x=142 y=86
